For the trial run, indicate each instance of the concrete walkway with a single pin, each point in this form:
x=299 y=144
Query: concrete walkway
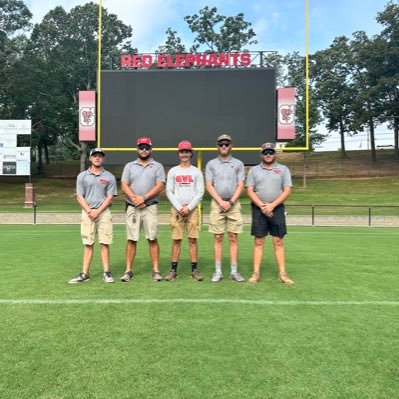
x=119 y=218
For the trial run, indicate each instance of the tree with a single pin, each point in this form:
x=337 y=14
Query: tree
x=365 y=65
x=389 y=81
x=173 y=44
x=14 y=17
x=215 y=32
x=62 y=57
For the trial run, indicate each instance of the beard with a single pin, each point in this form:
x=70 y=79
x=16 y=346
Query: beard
x=271 y=162
x=144 y=157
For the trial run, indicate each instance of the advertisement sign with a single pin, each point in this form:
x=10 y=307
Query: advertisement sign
x=14 y=160
x=87 y=115
x=285 y=114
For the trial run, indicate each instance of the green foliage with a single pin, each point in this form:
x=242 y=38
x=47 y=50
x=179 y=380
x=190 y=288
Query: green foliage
x=219 y=33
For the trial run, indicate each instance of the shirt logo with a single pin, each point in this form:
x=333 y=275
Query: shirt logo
x=277 y=171
x=184 y=179
x=104 y=181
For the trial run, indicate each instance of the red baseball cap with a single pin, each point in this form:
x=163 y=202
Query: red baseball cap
x=144 y=140
x=185 y=145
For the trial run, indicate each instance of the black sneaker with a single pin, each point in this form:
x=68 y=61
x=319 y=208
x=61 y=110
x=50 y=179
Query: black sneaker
x=80 y=278
x=127 y=276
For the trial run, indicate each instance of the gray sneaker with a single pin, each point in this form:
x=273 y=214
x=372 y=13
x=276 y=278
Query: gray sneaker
x=216 y=277
x=171 y=275
x=237 y=277
x=80 y=278
x=156 y=276
x=196 y=275
x=107 y=277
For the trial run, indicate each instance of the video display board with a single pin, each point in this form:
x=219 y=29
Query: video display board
x=196 y=105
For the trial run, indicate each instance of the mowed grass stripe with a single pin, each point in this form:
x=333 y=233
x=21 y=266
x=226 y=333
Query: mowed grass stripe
x=153 y=301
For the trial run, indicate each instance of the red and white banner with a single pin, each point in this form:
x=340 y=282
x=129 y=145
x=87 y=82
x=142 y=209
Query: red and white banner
x=87 y=116
x=285 y=114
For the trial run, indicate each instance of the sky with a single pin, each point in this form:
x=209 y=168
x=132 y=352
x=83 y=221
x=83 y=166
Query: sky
x=279 y=26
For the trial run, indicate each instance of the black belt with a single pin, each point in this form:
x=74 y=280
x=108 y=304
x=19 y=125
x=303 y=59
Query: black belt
x=147 y=203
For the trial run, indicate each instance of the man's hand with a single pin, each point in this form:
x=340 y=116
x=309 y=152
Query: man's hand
x=267 y=210
x=184 y=211
x=224 y=206
x=138 y=201
x=94 y=214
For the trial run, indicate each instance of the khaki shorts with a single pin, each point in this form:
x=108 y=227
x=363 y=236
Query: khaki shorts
x=102 y=227
x=230 y=221
x=181 y=223
x=146 y=218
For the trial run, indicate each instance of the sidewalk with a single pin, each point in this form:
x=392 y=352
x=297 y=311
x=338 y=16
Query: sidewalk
x=119 y=218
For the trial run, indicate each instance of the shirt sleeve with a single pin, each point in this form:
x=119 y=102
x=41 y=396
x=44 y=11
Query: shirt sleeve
x=126 y=174
x=209 y=172
x=80 y=188
x=160 y=173
x=112 y=188
x=199 y=191
x=250 y=179
x=170 y=190
x=241 y=172
x=287 y=181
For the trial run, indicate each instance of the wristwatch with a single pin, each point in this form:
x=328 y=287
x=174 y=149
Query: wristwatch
x=231 y=202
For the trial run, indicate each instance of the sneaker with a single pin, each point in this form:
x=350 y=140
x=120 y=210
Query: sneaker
x=216 y=277
x=156 y=276
x=196 y=275
x=127 y=276
x=237 y=277
x=80 y=278
x=107 y=277
x=171 y=275
x=254 y=278
x=285 y=279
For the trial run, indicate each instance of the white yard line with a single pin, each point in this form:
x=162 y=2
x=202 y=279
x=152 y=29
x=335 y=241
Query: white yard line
x=191 y=302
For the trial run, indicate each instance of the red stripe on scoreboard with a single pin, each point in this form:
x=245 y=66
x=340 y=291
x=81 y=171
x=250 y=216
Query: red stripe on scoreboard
x=286 y=114
x=87 y=115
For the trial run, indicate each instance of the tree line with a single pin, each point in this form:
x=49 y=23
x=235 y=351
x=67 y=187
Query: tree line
x=353 y=84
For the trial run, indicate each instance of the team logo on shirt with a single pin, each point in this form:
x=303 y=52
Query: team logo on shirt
x=277 y=171
x=104 y=181
x=184 y=180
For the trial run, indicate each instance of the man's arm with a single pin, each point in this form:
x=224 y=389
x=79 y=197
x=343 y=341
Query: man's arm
x=95 y=213
x=279 y=200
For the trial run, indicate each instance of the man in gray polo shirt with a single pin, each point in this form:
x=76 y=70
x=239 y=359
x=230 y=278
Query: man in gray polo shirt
x=142 y=182
x=224 y=178
x=95 y=189
x=269 y=185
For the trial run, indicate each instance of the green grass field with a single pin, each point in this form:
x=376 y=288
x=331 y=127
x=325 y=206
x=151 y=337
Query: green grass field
x=334 y=334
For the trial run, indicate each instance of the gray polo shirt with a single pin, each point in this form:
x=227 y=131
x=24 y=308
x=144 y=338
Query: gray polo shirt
x=142 y=178
x=96 y=188
x=225 y=175
x=268 y=183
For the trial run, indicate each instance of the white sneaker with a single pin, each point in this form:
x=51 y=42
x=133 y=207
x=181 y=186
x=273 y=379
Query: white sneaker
x=107 y=277
x=216 y=277
x=237 y=277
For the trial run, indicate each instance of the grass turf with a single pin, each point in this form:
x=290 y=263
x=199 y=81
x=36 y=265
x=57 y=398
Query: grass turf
x=292 y=349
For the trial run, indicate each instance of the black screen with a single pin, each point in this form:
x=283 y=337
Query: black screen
x=196 y=105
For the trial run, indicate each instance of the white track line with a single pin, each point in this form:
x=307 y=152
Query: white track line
x=191 y=302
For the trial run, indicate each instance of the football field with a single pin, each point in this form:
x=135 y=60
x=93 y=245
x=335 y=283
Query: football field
x=334 y=334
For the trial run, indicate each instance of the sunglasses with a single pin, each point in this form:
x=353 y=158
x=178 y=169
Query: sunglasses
x=224 y=145
x=143 y=147
x=268 y=152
